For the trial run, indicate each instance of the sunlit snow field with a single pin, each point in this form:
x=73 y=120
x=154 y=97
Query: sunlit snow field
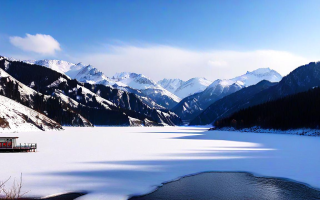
x=115 y=162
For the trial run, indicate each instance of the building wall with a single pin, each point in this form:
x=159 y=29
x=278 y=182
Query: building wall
x=5 y=140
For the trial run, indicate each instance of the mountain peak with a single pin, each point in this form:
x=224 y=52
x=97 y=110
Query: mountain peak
x=262 y=71
x=255 y=76
x=135 y=80
x=192 y=86
x=171 y=84
x=125 y=75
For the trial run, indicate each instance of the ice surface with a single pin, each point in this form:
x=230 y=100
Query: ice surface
x=115 y=162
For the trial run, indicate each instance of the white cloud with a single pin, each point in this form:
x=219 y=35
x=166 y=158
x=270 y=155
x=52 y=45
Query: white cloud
x=159 y=62
x=39 y=43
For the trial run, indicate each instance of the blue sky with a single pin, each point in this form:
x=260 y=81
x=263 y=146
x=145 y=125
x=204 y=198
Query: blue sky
x=192 y=34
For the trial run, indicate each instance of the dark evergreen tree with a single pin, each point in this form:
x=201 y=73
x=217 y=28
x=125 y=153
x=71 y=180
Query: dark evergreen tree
x=295 y=111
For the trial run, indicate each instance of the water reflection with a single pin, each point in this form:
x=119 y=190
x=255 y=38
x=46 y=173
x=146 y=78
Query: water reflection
x=231 y=185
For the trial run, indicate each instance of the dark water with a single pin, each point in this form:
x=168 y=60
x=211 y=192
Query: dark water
x=230 y=185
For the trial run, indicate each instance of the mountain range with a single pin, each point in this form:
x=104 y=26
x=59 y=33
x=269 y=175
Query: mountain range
x=184 y=89
x=81 y=95
x=191 y=106
x=131 y=82
x=185 y=98
x=70 y=102
x=299 y=80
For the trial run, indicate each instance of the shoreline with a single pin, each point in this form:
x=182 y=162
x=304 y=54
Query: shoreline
x=255 y=175
x=300 y=131
x=59 y=196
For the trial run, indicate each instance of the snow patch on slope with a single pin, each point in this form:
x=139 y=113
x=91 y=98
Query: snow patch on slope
x=89 y=95
x=25 y=92
x=22 y=118
x=250 y=78
x=6 y=65
x=90 y=74
x=254 y=77
x=183 y=89
x=171 y=84
x=136 y=81
x=57 y=82
x=192 y=86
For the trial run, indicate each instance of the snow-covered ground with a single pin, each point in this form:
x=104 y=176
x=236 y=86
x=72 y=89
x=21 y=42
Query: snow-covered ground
x=115 y=162
x=256 y=129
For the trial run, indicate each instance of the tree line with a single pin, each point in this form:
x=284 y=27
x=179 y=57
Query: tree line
x=301 y=110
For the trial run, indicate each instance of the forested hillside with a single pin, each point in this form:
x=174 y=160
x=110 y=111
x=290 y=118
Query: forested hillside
x=294 y=111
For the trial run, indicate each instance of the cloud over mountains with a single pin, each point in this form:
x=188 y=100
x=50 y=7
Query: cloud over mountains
x=38 y=43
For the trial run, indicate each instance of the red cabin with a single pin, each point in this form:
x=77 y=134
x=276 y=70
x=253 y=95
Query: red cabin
x=9 y=144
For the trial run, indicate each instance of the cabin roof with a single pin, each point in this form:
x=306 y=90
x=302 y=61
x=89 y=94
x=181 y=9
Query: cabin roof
x=9 y=137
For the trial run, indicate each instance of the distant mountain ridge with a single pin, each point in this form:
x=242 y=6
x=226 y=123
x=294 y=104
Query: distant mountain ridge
x=87 y=100
x=299 y=80
x=89 y=74
x=230 y=103
x=171 y=84
x=147 y=87
x=184 y=89
x=197 y=93
x=134 y=99
x=193 y=105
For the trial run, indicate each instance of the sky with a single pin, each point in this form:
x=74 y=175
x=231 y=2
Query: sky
x=165 y=39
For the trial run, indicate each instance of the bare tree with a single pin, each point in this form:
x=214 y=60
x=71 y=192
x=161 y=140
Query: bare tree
x=13 y=192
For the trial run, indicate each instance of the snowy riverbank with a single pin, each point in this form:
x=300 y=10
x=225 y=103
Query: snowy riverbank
x=255 y=129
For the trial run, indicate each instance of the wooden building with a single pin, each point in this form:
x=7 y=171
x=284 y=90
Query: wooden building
x=9 y=144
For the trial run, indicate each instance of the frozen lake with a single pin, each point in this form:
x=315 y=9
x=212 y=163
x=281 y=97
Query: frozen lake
x=115 y=162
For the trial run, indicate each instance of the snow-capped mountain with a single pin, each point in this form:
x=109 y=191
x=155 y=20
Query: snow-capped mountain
x=230 y=103
x=248 y=79
x=135 y=81
x=183 y=89
x=54 y=106
x=70 y=69
x=82 y=72
x=70 y=102
x=221 y=88
x=302 y=79
x=89 y=74
x=192 y=86
x=254 y=77
x=171 y=84
x=146 y=87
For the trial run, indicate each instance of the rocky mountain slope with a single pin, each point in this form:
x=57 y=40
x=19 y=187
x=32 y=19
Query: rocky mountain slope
x=301 y=79
x=147 y=88
x=171 y=84
x=228 y=104
x=300 y=110
x=53 y=106
x=193 y=105
x=17 y=117
x=184 y=89
x=100 y=104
